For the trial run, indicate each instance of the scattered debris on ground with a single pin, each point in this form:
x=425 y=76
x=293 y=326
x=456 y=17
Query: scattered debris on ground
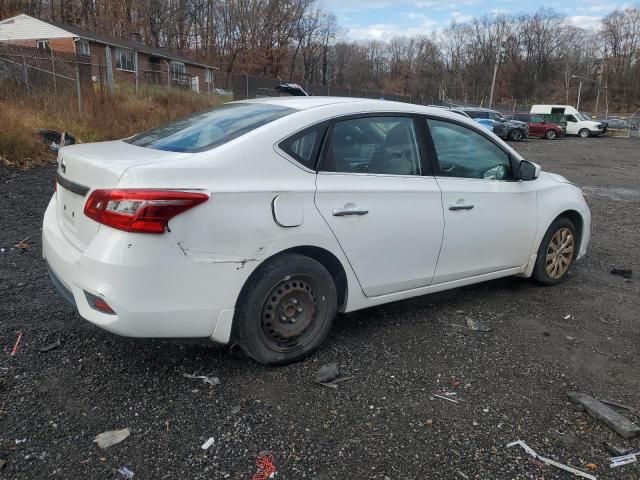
x=207 y=444
x=446 y=398
x=622 y=425
x=14 y=350
x=329 y=376
x=477 y=325
x=327 y=373
x=50 y=346
x=22 y=245
x=53 y=139
x=266 y=466
x=623 y=272
x=548 y=461
x=107 y=439
x=2 y=463
x=624 y=459
x=125 y=472
x=206 y=379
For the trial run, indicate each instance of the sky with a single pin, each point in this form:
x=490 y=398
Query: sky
x=383 y=19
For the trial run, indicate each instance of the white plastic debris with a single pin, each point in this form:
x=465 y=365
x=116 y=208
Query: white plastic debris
x=208 y=380
x=553 y=463
x=106 y=439
x=624 y=459
x=207 y=444
x=125 y=472
x=567 y=317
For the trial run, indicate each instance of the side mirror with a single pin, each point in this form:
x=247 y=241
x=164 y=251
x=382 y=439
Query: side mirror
x=529 y=170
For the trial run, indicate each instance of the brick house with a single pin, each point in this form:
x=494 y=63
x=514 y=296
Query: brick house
x=127 y=60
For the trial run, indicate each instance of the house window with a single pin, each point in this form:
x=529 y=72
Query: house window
x=208 y=76
x=125 y=60
x=177 y=71
x=83 y=47
x=43 y=45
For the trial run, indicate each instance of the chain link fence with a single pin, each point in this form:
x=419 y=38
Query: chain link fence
x=35 y=71
x=70 y=77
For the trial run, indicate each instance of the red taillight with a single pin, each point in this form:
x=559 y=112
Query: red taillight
x=142 y=211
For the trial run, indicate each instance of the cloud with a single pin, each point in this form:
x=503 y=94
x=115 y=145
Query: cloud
x=588 y=22
x=460 y=17
x=385 y=31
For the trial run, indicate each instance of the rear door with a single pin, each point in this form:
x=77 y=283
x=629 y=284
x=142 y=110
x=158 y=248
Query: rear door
x=537 y=126
x=377 y=194
x=490 y=219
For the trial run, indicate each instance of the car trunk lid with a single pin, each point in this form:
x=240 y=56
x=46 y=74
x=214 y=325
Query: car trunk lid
x=86 y=167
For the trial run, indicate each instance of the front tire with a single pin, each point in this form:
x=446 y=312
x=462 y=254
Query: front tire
x=556 y=253
x=584 y=133
x=285 y=310
x=550 y=134
x=515 y=135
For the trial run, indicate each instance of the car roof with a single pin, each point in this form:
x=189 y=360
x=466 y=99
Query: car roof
x=477 y=109
x=355 y=103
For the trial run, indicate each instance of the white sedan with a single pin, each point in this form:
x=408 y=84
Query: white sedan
x=255 y=222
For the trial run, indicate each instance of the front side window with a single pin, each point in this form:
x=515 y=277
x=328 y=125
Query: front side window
x=304 y=146
x=125 y=60
x=571 y=118
x=211 y=128
x=496 y=116
x=375 y=145
x=465 y=153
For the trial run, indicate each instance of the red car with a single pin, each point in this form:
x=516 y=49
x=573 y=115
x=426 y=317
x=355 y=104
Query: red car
x=538 y=127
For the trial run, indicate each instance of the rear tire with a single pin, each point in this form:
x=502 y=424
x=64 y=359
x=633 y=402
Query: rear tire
x=285 y=310
x=515 y=135
x=556 y=253
x=584 y=133
x=550 y=134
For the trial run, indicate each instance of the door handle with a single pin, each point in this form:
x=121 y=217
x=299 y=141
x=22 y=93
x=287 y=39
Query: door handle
x=343 y=212
x=460 y=206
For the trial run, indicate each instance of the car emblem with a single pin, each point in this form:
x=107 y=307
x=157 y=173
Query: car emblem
x=63 y=166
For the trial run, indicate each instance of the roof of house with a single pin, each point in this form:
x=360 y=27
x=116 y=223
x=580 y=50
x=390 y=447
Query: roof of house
x=60 y=29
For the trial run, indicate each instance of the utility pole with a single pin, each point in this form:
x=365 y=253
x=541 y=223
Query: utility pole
x=495 y=68
x=579 y=92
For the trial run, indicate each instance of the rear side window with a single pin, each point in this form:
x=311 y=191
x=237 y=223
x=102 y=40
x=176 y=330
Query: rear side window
x=304 y=146
x=209 y=129
x=474 y=114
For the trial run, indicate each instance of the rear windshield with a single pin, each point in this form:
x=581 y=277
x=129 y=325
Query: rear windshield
x=211 y=128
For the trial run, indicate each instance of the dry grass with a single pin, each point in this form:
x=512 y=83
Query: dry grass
x=104 y=117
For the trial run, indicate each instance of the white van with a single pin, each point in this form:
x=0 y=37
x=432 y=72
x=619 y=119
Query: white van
x=577 y=123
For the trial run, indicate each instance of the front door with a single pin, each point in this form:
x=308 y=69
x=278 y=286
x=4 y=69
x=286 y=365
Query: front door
x=572 y=125
x=381 y=202
x=490 y=219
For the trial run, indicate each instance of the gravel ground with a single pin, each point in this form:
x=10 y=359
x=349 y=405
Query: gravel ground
x=510 y=383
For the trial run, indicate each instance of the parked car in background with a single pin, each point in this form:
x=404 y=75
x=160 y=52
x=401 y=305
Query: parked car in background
x=256 y=221
x=576 y=122
x=616 y=123
x=506 y=129
x=538 y=126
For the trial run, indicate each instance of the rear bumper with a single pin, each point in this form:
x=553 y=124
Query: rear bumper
x=154 y=289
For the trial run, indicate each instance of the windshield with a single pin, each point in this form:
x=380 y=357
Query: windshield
x=211 y=128
x=582 y=116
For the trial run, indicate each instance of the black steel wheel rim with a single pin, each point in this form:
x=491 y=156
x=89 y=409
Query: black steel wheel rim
x=291 y=313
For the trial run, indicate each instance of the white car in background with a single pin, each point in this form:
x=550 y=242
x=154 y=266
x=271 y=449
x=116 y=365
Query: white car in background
x=255 y=222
